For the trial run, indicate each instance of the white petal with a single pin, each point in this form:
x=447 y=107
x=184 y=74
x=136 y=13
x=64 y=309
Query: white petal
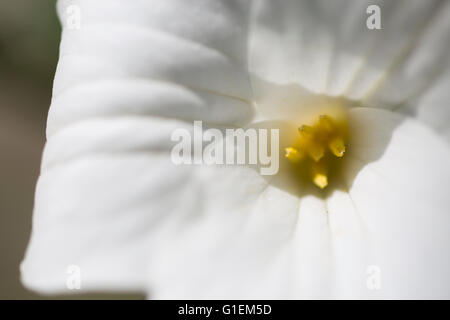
x=237 y=249
x=326 y=48
x=401 y=195
x=403 y=55
x=110 y=201
x=97 y=213
x=131 y=74
x=432 y=108
x=290 y=243
x=288 y=43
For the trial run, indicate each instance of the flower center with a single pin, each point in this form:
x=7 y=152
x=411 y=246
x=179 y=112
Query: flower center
x=318 y=145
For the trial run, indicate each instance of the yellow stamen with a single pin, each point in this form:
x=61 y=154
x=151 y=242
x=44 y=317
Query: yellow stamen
x=337 y=146
x=306 y=131
x=320 y=180
x=293 y=154
x=316 y=151
x=317 y=141
x=326 y=123
x=319 y=175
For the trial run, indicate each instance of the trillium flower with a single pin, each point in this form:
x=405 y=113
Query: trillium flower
x=110 y=201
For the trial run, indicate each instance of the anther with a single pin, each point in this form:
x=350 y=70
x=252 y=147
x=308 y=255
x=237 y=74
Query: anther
x=293 y=154
x=337 y=146
x=319 y=175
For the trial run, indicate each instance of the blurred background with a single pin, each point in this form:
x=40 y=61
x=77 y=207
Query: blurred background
x=29 y=37
x=29 y=40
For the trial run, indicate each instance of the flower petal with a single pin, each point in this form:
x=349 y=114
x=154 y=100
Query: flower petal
x=326 y=48
x=401 y=196
x=110 y=201
x=291 y=242
x=127 y=78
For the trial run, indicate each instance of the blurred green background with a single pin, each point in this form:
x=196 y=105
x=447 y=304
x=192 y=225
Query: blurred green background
x=29 y=40
x=29 y=37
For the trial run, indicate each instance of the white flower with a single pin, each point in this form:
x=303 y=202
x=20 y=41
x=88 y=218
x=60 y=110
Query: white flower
x=110 y=201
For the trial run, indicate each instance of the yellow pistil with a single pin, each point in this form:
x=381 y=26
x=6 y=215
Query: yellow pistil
x=325 y=136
